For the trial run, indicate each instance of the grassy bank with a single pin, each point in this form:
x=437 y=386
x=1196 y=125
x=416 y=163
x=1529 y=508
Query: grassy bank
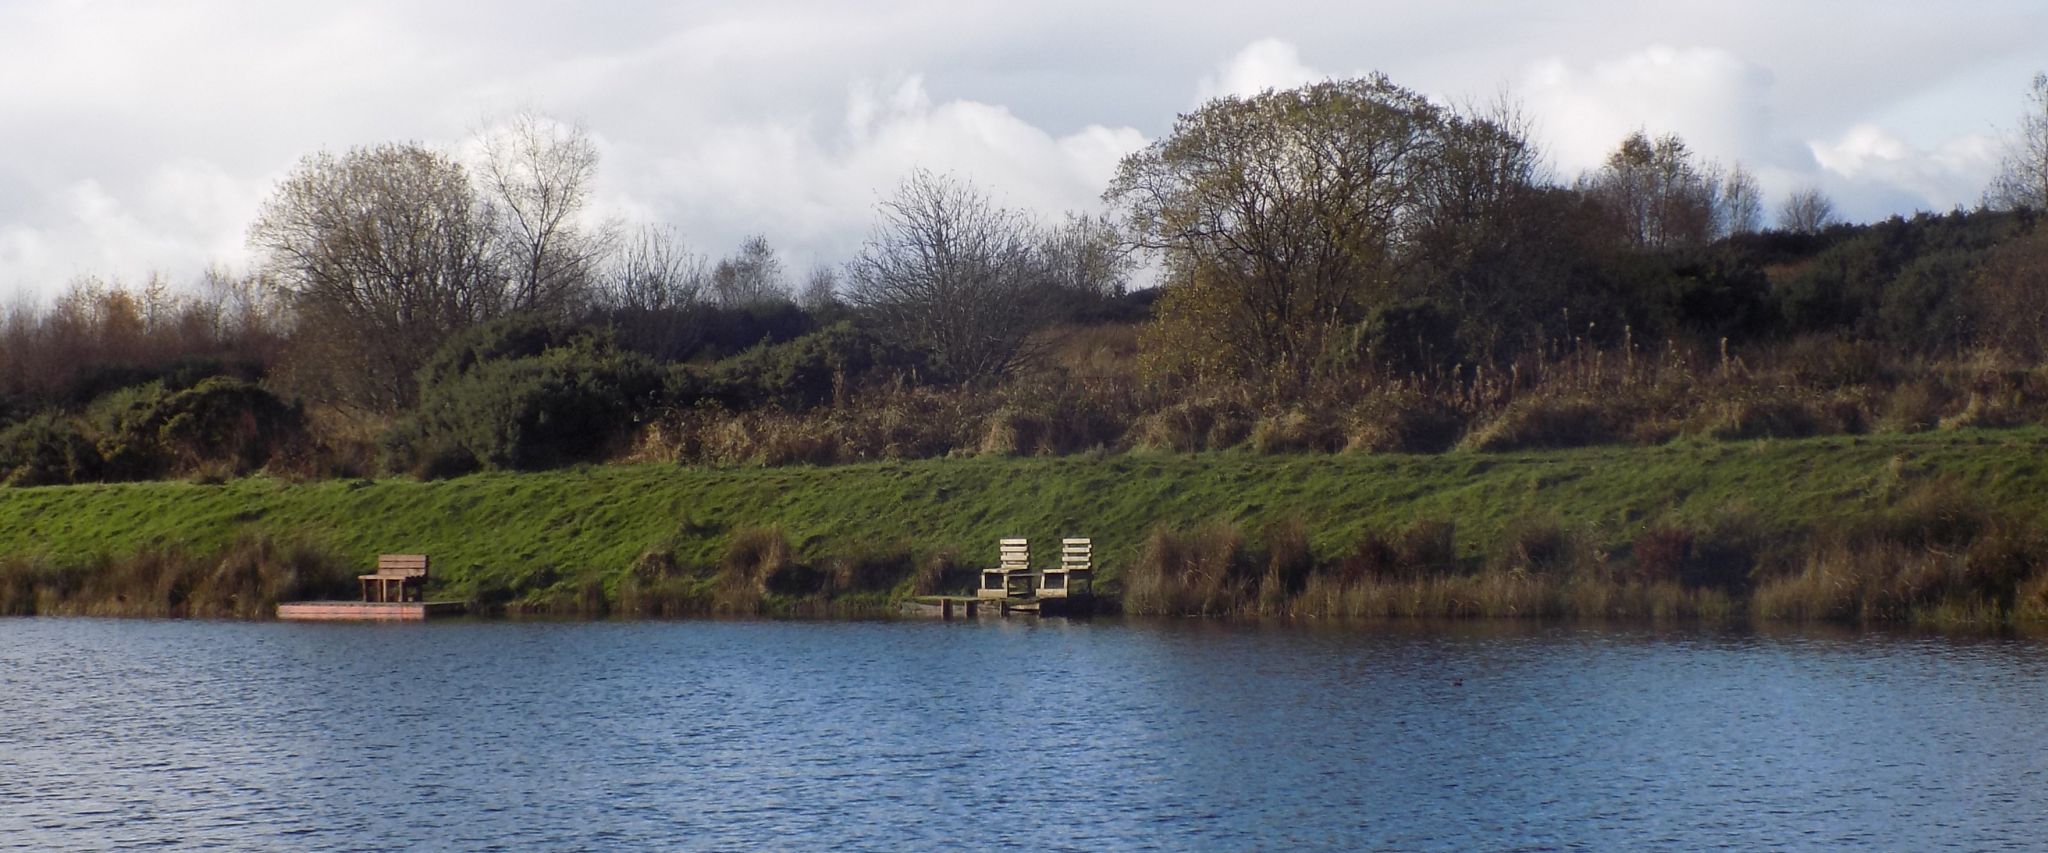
x=1816 y=522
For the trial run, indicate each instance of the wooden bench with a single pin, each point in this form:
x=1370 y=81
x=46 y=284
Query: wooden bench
x=399 y=578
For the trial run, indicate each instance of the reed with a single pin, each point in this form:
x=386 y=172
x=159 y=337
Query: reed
x=244 y=580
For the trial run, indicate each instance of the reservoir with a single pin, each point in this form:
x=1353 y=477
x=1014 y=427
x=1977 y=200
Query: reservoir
x=1103 y=735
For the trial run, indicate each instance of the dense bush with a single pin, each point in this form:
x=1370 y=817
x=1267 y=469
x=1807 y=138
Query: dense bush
x=807 y=372
x=47 y=450
x=570 y=402
x=221 y=425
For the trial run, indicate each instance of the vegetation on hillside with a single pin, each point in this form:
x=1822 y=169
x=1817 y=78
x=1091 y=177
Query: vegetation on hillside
x=1425 y=378
x=1344 y=266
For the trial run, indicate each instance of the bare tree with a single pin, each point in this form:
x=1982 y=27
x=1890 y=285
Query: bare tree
x=2022 y=179
x=1806 y=211
x=949 y=271
x=751 y=277
x=537 y=174
x=820 y=294
x=652 y=271
x=383 y=252
x=1742 y=202
x=648 y=290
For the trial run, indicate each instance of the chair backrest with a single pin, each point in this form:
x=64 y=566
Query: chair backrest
x=1077 y=555
x=1016 y=554
x=402 y=565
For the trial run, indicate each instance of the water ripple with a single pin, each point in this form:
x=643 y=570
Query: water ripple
x=1138 y=736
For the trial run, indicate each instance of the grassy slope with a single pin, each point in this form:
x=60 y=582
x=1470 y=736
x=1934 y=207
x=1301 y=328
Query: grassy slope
x=599 y=519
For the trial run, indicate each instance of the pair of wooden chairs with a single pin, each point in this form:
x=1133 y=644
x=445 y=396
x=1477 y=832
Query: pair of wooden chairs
x=1013 y=576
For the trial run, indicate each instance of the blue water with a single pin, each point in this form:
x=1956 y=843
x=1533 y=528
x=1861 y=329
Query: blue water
x=1088 y=736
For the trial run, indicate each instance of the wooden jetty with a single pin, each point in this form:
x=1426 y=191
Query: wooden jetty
x=395 y=592
x=1014 y=588
x=367 y=611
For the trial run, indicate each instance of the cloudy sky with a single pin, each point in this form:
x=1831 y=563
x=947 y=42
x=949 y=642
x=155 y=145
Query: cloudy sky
x=142 y=136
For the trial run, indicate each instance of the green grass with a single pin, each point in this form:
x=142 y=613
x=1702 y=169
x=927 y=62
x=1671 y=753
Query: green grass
x=576 y=526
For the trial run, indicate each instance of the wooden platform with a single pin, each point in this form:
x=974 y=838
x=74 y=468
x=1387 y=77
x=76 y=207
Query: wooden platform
x=969 y=607
x=372 y=611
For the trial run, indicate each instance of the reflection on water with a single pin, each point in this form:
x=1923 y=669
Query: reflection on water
x=1110 y=735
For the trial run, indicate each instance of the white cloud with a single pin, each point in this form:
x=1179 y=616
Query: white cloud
x=813 y=185
x=1872 y=167
x=1719 y=103
x=1268 y=63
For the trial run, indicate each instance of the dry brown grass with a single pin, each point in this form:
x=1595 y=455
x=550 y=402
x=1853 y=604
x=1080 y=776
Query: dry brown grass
x=245 y=580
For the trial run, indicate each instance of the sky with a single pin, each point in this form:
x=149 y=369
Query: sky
x=141 y=137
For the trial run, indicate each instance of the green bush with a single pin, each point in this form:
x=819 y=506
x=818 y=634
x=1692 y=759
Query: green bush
x=807 y=372
x=47 y=450
x=146 y=431
x=491 y=400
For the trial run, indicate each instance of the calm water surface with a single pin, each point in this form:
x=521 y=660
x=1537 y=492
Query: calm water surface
x=1106 y=735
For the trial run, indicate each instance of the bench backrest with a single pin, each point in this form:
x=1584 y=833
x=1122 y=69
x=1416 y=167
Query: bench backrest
x=402 y=565
x=1015 y=553
x=1077 y=555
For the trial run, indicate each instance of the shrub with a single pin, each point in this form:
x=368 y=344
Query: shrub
x=220 y=423
x=1012 y=432
x=227 y=420
x=1193 y=425
x=1203 y=572
x=809 y=371
x=1288 y=564
x=1915 y=406
x=1402 y=422
x=1542 y=546
x=1543 y=422
x=941 y=573
x=1768 y=417
x=1298 y=430
x=759 y=563
x=47 y=450
x=872 y=571
x=570 y=403
x=1721 y=559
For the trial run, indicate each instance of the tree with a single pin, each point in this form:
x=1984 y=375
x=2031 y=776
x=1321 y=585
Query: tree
x=383 y=252
x=1656 y=196
x=820 y=294
x=537 y=172
x=1806 y=211
x=1486 y=236
x=1742 y=205
x=1281 y=216
x=2010 y=296
x=2022 y=179
x=651 y=271
x=648 y=290
x=749 y=278
x=949 y=272
x=1083 y=264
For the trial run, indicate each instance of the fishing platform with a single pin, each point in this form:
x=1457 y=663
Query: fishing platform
x=1013 y=587
x=395 y=592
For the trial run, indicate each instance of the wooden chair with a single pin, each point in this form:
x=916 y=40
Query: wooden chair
x=399 y=578
x=1016 y=568
x=1075 y=576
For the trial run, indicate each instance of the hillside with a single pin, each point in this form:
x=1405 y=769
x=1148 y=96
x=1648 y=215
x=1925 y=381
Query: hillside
x=548 y=540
